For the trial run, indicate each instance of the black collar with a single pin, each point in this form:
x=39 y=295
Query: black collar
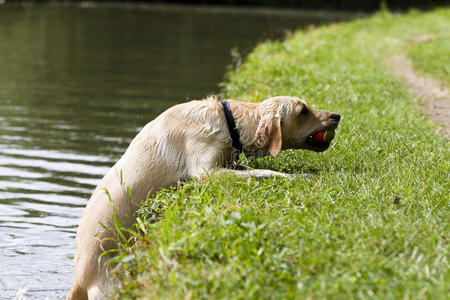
x=231 y=126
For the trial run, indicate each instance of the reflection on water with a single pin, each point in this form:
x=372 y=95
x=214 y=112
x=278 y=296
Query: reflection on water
x=75 y=87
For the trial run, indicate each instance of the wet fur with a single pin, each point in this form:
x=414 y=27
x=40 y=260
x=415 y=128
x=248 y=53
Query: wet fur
x=187 y=140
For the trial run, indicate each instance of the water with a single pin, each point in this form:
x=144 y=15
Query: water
x=76 y=85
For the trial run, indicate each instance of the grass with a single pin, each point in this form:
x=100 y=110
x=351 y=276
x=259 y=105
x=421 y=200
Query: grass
x=433 y=56
x=371 y=220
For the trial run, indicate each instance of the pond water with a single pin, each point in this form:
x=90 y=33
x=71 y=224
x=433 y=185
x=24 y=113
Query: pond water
x=76 y=85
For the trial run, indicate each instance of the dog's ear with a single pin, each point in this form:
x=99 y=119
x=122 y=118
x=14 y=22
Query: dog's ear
x=268 y=133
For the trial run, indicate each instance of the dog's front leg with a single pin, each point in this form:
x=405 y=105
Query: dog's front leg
x=257 y=173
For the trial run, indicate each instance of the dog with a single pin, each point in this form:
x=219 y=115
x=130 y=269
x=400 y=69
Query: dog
x=193 y=139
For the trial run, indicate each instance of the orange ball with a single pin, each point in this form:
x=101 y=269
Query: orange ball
x=324 y=136
x=320 y=136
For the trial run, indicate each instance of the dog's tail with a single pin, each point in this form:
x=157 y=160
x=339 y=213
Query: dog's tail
x=77 y=293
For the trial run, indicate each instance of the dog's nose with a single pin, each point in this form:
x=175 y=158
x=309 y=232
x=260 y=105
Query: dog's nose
x=335 y=117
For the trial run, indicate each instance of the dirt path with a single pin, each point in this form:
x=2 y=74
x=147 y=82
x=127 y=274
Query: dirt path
x=434 y=97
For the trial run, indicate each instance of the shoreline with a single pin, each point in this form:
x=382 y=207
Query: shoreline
x=369 y=221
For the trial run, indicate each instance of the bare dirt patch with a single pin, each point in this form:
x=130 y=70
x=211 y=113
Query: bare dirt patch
x=434 y=97
x=422 y=38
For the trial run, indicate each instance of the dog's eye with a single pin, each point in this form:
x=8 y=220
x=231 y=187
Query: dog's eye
x=304 y=111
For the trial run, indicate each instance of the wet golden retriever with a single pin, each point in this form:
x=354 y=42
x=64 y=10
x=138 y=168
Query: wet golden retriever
x=193 y=139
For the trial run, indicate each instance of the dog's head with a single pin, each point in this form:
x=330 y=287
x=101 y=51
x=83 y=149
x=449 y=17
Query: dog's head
x=289 y=123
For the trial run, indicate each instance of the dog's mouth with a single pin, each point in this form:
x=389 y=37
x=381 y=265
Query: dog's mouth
x=311 y=144
x=316 y=144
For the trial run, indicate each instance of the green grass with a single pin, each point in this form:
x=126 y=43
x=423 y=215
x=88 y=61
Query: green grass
x=433 y=57
x=371 y=220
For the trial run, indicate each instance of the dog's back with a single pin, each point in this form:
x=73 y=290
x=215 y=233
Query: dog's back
x=156 y=158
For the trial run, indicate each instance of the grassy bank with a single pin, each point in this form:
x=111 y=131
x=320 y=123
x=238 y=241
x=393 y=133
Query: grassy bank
x=370 y=222
x=432 y=56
